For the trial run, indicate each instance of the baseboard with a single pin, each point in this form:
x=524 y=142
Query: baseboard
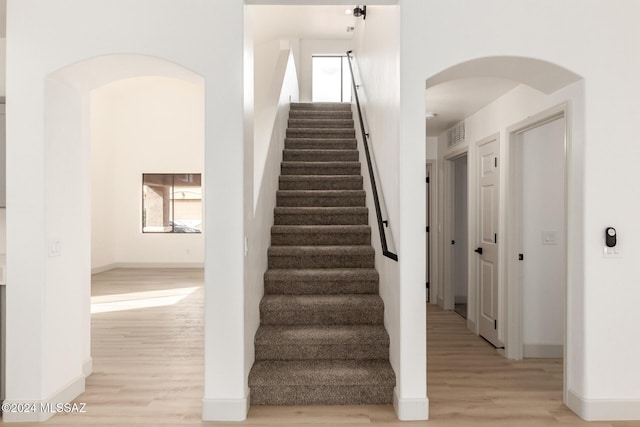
x=225 y=409
x=543 y=351
x=87 y=367
x=46 y=408
x=103 y=268
x=603 y=409
x=113 y=266
x=471 y=325
x=414 y=409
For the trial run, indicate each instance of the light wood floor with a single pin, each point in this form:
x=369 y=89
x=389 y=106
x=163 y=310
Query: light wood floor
x=148 y=368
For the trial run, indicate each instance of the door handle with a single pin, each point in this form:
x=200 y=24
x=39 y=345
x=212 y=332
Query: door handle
x=478 y=250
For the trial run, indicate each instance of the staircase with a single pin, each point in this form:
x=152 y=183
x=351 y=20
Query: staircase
x=321 y=340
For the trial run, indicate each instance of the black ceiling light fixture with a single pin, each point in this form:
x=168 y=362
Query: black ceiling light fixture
x=360 y=11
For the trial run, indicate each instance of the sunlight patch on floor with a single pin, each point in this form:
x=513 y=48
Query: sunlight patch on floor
x=138 y=300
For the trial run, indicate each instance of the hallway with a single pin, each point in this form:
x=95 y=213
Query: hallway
x=148 y=368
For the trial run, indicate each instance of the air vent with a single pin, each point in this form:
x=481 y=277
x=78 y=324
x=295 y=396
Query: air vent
x=456 y=134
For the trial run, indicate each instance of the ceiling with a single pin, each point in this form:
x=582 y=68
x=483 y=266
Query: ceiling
x=302 y=22
x=455 y=100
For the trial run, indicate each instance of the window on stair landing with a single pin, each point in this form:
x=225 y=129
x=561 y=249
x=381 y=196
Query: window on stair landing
x=171 y=203
x=331 y=79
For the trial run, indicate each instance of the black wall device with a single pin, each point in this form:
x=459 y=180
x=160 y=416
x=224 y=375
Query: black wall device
x=610 y=237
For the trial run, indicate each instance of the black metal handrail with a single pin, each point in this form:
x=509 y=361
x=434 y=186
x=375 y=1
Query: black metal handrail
x=374 y=188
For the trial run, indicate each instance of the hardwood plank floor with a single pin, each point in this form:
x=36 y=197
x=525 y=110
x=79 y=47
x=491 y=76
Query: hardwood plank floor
x=147 y=347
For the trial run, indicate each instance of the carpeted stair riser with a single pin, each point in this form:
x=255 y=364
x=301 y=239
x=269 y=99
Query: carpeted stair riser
x=320 y=235
x=320 y=144
x=320 y=133
x=320 y=156
x=304 y=395
x=321 y=216
x=320 y=281
x=318 y=123
x=321 y=257
x=323 y=198
x=321 y=310
x=331 y=382
x=320 y=168
x=320 y=182
x=322 y=342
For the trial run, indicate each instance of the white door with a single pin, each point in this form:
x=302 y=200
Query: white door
x=487 y=249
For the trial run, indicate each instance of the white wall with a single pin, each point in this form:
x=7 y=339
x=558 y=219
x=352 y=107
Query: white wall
x=267 y=171
x=308 y=48
x=103 y=183
x=3 y=68
x=432 y=147
x=46 y=293
x=377 y=53
x=543 y=210
x=142 y=125
x=602 y=384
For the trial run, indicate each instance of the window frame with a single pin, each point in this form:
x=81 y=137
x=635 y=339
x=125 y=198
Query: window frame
x=172 y=208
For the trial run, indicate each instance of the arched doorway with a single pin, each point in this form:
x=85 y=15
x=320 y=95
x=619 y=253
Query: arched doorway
x=485 y=102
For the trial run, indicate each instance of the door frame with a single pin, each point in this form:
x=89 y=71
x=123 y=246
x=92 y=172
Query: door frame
x=513 y=267
x=431 y=171
x=446 y=290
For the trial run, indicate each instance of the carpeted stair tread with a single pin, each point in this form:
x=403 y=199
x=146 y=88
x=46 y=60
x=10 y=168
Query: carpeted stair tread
x=321 y=215
x=291 y=281
x=320 y=144
x=328 y=274
x=321 y=342
x=318 y=123
x=320 y=198
x=320 y=168
x=320 y=132
x=331 y=106
x=311 y=235
x=321 y=257
x=322 y=310
x=320 y=155
x=320 y=182
x=320 y=114
x=322 y=334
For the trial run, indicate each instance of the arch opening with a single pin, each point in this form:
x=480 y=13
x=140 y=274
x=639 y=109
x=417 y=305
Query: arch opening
x=500 y=97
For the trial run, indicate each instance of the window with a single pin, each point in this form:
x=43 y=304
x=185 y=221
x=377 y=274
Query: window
x=171 y=203
x=331 y=80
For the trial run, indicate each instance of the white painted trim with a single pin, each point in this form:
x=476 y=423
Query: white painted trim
x=434 y=233
x=225 y=409
x=448 y=225
x=87 y=367
x=603 y=409
x=410 y=409
x=146 y=265
x=65 y=395
x=514 y=345
x=543 y=351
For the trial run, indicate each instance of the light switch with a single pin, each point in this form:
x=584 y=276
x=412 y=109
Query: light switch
x=55 y=247
x=549 y=237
